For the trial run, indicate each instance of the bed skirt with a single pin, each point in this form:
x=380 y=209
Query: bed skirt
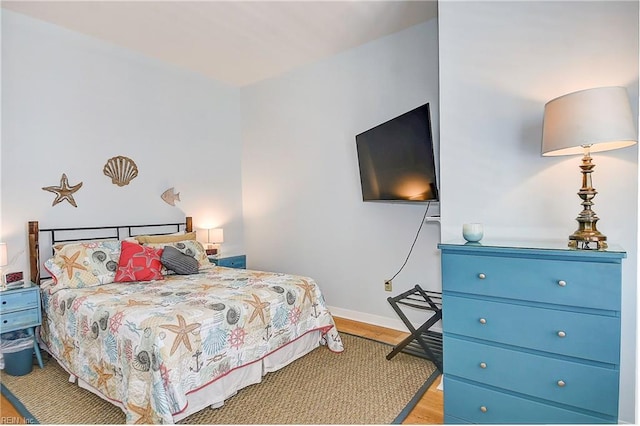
x=216 y=392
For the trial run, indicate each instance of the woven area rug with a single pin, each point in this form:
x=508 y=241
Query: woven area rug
x=357 y=386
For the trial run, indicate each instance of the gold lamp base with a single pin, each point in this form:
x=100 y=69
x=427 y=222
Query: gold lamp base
x=582 y=239
x=587 y=232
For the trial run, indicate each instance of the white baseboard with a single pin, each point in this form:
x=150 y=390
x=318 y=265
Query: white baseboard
x=380 y=321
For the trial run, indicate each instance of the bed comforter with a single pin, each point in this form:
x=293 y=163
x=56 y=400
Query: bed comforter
x=147 y=345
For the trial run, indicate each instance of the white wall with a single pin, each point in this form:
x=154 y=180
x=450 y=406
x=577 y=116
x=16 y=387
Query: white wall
x=70 y=102
x=500 y=62
x=303 y=206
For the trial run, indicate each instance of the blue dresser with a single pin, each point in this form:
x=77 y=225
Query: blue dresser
x=531 y=333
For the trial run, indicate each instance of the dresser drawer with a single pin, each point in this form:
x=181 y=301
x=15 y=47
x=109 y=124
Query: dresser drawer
x=17 y=300
x=19 y=320
x=586 y=336
x=466 y=401
x=450 y=420
x=585 y=284
x=556 y=380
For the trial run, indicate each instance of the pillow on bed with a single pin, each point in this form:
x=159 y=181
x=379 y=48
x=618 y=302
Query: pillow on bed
x=178 y=262
x=60 y=246
x=189 y=247
x=84 y=264
x=172 y=238
x=139 y=263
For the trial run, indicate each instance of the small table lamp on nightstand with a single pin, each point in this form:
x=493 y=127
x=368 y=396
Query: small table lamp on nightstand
x=582 y=122
x=215 y=237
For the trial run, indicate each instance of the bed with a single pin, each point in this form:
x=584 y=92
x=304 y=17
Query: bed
x=162 y=345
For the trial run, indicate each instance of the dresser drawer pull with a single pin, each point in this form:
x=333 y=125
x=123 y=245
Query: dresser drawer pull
x=482 y=276
x=4 y=302
x=483 y=409
x=562 y=283
x=561 y=383
x=562 y=334
x=483 y=365
x=482 y=321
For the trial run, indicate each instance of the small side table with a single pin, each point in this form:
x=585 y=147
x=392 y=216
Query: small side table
x=20 y=310
x=239 y=262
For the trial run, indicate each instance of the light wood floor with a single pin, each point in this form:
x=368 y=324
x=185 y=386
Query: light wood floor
x=9 y=415
x=428 y=411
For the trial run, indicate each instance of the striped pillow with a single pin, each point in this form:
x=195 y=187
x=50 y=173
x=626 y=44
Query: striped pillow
x=178 y=262
x=191 y=248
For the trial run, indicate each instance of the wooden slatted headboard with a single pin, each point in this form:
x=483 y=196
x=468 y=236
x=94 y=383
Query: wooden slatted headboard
x=65 y=235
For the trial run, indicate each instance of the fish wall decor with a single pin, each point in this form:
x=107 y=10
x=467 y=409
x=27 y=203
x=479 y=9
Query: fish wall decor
x=170 y=196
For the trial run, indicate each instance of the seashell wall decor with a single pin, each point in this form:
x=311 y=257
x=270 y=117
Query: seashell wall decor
x=121 y=170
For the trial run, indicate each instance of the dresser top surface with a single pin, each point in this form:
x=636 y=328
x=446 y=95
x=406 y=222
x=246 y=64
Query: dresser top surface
x=556 y=247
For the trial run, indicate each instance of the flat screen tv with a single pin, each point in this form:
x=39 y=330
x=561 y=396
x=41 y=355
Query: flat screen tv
x=396 y=159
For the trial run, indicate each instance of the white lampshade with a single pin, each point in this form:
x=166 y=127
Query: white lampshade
x=600 y=118
x=215 y=235
x=3 y=254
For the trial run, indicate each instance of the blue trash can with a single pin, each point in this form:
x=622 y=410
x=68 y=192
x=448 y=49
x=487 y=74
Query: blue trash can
x=17 y=355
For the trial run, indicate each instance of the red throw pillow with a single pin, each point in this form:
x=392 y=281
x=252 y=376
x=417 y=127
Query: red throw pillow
x=138 y=263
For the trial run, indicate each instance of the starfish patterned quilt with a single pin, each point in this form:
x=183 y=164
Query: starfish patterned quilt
x=147 y=345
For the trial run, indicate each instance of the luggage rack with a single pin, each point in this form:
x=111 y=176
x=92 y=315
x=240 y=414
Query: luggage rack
x=422 y=341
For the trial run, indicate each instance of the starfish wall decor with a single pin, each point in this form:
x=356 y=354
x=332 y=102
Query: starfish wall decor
x=63 y=191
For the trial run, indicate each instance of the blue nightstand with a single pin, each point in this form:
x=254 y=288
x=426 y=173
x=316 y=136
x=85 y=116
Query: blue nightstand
x=239 y=262
x=20 y=310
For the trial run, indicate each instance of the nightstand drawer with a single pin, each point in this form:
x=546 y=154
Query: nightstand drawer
x=580 y=335
x=572 y=283
x=239 y=262
x=482 y=405
x=17 y=300
x=18 y=320
x=581 y=385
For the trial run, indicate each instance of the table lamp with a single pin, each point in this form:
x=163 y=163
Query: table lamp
x=215 y=237
x=582 y=122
